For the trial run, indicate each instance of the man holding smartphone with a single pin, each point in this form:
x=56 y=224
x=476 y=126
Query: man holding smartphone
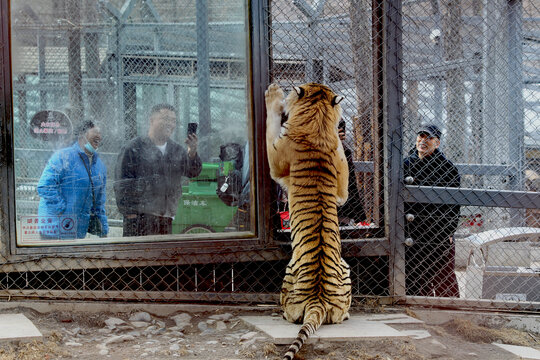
x=149 y=172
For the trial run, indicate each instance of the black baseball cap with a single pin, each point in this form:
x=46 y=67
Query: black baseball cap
x=430 y=130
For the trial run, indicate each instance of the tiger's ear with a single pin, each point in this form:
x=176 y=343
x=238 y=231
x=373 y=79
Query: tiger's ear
x=299 y=91
x=337 y=99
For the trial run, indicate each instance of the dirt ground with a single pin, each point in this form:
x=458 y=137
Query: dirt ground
x=218 y=334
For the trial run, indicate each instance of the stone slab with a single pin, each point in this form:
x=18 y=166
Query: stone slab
x=390 y=318
x=416 y=334
x=17 y=327
x=524 y=352
x=284 y=332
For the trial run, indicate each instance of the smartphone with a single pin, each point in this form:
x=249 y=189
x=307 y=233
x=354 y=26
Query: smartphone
x=191 y=128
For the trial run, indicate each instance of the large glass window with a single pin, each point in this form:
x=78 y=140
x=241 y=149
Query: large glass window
x=131 y=120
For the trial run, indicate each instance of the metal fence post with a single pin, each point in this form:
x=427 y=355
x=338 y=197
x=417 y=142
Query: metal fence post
x=393 y=147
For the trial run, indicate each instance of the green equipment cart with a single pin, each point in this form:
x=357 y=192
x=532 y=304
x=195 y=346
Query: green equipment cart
x=200 y=210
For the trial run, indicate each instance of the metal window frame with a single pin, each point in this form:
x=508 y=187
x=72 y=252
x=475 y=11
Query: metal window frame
x=259 y=240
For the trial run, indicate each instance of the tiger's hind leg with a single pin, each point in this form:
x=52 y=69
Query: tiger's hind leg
x=339 y=309
x=292 y=311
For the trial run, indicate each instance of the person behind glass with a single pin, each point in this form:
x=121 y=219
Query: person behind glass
x=68 y=196
x=430 y=261
x=352 y=212
x=149 y=172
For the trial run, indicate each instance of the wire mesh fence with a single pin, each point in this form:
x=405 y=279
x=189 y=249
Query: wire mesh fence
x=463 y=225
x=468 y=69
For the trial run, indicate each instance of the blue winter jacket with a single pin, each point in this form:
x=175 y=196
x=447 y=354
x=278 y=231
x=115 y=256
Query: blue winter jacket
x=66 y=194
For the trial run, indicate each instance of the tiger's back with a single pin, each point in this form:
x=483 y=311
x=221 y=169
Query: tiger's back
x=307 y=158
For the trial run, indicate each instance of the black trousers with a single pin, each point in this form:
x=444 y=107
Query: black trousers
x=430 y=269
x=146 y=224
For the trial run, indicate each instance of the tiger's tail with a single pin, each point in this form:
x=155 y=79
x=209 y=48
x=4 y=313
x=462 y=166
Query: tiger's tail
x=312 y=321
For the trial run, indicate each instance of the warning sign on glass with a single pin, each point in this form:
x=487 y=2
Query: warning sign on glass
x=36 y=230
x=50 y=125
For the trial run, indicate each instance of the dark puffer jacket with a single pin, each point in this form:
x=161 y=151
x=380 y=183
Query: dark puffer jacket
x=432 y=222
x=148 y=182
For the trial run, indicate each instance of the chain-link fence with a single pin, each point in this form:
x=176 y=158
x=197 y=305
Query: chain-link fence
x=447 y=211
x=470 y=68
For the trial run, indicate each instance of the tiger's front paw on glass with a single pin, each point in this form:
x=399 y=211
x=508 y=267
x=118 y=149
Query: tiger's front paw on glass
x=274 y=96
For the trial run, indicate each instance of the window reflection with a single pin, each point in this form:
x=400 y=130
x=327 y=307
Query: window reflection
x=146 y=176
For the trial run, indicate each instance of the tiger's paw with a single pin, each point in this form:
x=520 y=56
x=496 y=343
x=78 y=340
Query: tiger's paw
x=341 y=200
x=274 y=96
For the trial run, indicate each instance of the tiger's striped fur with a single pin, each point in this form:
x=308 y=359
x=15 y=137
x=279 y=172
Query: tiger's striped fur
x=306 y=157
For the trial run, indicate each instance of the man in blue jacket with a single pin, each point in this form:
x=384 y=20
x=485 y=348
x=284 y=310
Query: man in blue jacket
x=72 y=188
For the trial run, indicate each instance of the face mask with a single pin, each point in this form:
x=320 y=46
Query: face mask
x=89 y=147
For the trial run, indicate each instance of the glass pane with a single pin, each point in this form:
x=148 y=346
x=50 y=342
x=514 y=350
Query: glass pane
x=104 y=97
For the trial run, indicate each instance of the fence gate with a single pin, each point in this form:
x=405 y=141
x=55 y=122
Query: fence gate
x=470 y=68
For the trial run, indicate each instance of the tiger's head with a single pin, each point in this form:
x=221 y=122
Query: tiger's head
x=313 y=114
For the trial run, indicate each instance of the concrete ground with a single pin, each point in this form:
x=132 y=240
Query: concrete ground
x=92 y=330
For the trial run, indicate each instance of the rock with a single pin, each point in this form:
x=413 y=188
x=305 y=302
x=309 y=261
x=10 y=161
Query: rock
x=139 y=324
x=174 y=347
x=160 y=324
x=181 y=319
x=125 y=327
x=74 y=331
x=212 y=342
x=103 y=352
x=134 y=333
x=248 y=343
x=210 y=322
x=222 y=317
x=114 y=322
x=176 y=334
x=159 y=331
x=220 y=326
x=248 y=336
x=104 y=331
x=118 y=339
x=150 y=330
x=72 y=343
x=202 y=326
x=207 y=332
x=141 y=316
x=437 y=350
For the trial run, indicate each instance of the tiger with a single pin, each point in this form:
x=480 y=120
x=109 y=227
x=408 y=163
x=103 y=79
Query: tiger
x=307 y=159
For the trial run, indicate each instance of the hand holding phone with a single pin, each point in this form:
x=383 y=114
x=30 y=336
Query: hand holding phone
x=191 y=140
x=191 y=128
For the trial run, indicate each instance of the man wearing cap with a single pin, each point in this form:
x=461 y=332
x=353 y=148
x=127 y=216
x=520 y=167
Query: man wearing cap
x=430 y=261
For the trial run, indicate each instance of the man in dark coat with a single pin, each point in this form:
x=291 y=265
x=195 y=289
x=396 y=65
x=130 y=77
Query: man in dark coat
x=149 y=172
x=352 y=212
x=430 y=261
